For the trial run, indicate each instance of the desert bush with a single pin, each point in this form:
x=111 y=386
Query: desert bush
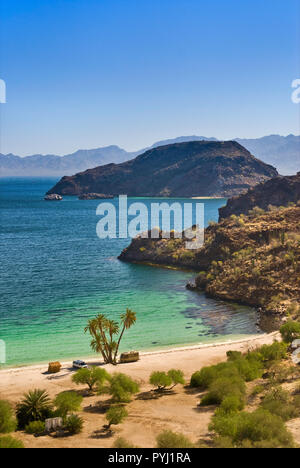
x=231 y=404
x=224 y=387
x=90 y=377
x=121 y=443
x=8 y=421
x=290 y=331
x=162 y=380
x=173 y=440
x=115 y=415
x=74 y=424
x=35 y=406
x=121 y=387
x=273 y=352
x=257 y=390
x=35 y=427
x=67 y=402
x=252 y=429
x=278 y=402
x=203 y=378
x=9 y=442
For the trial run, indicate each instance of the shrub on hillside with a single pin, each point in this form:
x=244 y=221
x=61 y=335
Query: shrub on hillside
x=224 y=387
x=278 y=402
x=260 y=428
x=121 y=443
x=290 y=331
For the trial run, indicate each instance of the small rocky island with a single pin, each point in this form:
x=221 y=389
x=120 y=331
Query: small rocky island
x=95 y=196
x=53 y=197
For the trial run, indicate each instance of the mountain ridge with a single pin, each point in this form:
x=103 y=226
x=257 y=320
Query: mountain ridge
x=279 y=151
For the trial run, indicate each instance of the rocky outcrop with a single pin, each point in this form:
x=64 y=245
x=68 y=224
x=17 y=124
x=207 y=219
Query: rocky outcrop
x=95 y=196
x=276 y=192
x=254 y=260
x=199 y=168
x=53 y=197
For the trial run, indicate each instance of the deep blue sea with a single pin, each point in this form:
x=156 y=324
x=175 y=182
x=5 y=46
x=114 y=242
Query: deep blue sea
x=56 y=274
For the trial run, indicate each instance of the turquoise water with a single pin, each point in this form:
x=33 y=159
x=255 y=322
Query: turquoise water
x=56 y=274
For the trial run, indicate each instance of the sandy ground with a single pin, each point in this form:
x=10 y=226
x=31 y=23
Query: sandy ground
x=177 y=411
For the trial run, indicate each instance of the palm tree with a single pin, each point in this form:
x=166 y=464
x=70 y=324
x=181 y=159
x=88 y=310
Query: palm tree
x=128 y=319
x=103 y=332
x=35 y=406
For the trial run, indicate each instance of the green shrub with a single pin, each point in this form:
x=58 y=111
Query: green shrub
x=162 y=380
x=8 y=421
x=257 y=390
x=248 y=369
x=278 y=402
x=67 y=402
x=74 y=424
x=252 y=429
x=234 y=355
x=121 y=387
x=35 y=406
x=224 y=387
x=115 y=415
x=9 y=442
x=203 y=378
x=290 y=331
x=121 y=443
x=231 y=404
x=90 y=377
x=35 y=427
x=273 y=352
x=173 y=440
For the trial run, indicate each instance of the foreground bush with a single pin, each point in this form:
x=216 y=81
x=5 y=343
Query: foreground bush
x=115 y=415
x=122 y=443
x=9 y=442
x=257 y=429
x=74 y=424
x=35 y=406
x=121 y=387
x=35 y=427
x=274 y=352
x=90 y=377
x=67 y=402
x=8 y=421
x=173 y=440
x=290 y=331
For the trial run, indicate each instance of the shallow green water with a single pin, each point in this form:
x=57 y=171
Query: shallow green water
x=56 y=274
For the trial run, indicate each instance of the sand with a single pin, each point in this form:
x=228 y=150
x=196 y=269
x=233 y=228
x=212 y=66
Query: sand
x=147 y=418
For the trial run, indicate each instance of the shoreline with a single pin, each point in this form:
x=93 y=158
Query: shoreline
x=158 y=352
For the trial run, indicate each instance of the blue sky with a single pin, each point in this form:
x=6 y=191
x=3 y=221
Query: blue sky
x=89 y=73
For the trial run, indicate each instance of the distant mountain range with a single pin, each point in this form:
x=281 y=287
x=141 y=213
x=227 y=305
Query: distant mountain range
x=281 y=152
x=190 y=169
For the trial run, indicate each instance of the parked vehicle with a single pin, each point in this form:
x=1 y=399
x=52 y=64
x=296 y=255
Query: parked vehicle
x=79 y=364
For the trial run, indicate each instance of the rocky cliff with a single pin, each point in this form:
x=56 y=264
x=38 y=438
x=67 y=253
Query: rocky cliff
x=276 y=192
x=191 y=169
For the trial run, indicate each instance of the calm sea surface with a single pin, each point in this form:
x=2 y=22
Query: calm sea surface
x=55 y=274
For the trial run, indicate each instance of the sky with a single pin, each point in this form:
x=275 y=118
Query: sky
x=91 y=73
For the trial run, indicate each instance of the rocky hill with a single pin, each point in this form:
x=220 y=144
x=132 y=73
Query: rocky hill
x=277 y=192
x=199 y=168
x=252 y=259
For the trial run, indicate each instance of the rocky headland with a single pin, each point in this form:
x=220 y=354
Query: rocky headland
x=251 y=259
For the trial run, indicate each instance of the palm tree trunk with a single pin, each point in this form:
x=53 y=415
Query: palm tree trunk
x=118 y=345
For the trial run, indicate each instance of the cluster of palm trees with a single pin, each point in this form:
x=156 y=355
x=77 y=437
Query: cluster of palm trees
x=107 y=334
